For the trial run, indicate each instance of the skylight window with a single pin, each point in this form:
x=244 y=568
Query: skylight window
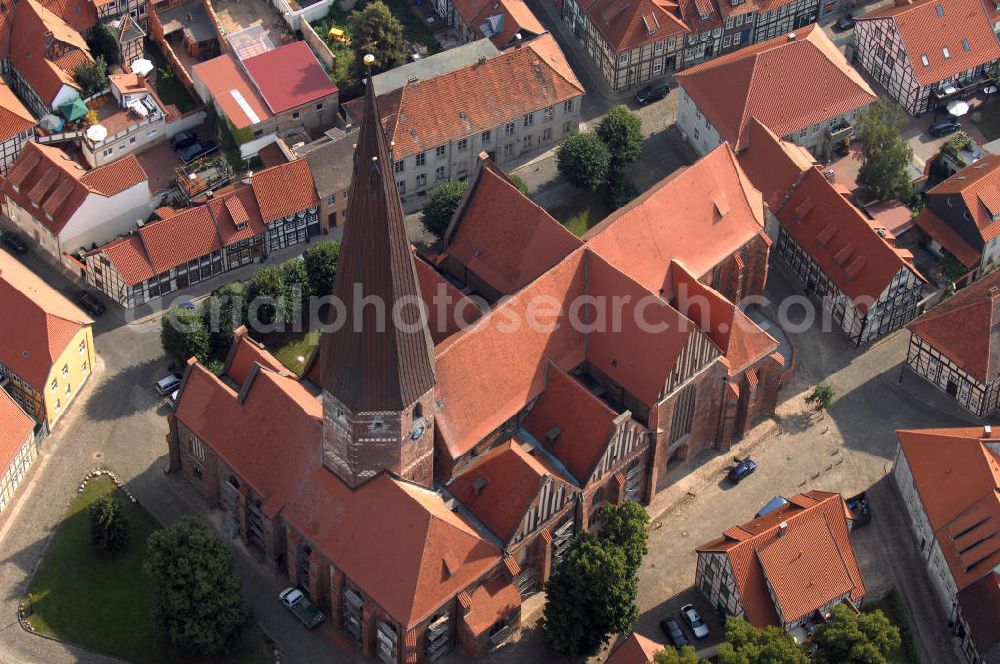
x=965 y=45
x=924 y=61
x=947 y=53
x=940 y=10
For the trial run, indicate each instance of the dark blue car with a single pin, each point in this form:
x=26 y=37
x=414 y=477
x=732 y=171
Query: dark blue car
x=742 y=470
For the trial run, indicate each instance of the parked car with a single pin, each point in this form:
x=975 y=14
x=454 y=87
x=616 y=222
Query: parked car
x=845 y=22
x=653 y=92
x=694 y=621
x=673 y=632
x=13 y=243
x=295 y=601
x=197 y=149
x=182 y=139
x=771 y=505
x=168 y=384
x=741 y=470
x=944 y=127
x=90 y=303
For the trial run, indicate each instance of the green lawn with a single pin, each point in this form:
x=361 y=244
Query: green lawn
x=892 y=606
x=290 y=346
x=169 y=88
x=583 y=211
x=987 y=120
x=103 y=602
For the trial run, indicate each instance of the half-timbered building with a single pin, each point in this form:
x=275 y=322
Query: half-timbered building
x=17 y=127
x=927 y=52
x=953 y=346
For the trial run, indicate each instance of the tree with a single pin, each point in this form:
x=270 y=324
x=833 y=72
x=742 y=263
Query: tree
x=851 y=638
x=621 y=190
x=590 y=597
x=104 y=43
x=109 y=528
x=375 y=30
x=747 y=644
x=92 y=76
x=321 y=266
x=197 y=595
x=886 y=156
x=621 y=131
x=183 y=334
x=624 y=526
x=223 y=313
x=440 y=206
x=518 y=182
x=685 y=655
x=268 y=297
x=821 y=396
x=583 y=160
x=296 y=278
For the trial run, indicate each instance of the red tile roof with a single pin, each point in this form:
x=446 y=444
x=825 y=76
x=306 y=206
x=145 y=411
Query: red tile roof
x=284 y=189
x=636 y=649
x=926 y=30
x=980 y=604
x=14 y=117
x=755 y=82
x=978 y=185
x=772 y=164
x=512 y=254
x=585 y=423
x=501 y=487
x=841 y=240
x=627 y=24
x=958 y=480
x=811 y=563
x=244 y=353
x=128 y=257
x=514 y=16
x=49 y=185
x=702 y=215
x=27 y=46
x=232 y=91
x=15 y=427
x=233 y=208
x=39 y=323
x=489 y=603
x=423 y=115
x=185 y=236
x=289 y=76
x=963 y=327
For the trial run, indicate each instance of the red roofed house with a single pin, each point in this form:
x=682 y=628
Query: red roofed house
x=929 y=51
x=516 y=103
x=266 y=95
x=636 y=649
x=868 y=285
x=133 y=116
x=47 y=345
x=815 y=107
x=17 y=127
x=787 y=568
x=66 y=208
x=18 y=448
x=963 y=216
x=277 y=209
x=500 y=21
x=950 y=484
x=956 y=345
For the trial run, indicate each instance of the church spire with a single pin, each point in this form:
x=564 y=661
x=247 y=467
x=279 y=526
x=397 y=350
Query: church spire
x=378 y=363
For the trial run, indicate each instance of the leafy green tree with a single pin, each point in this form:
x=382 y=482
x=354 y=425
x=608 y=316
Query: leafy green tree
x=92 y=76
x=183 y=334
x=621 y=131
x=104 y=43
x=268 y=298
x=621 y=190
x=583 y=159
x=747 y=644
x=223 y=313
x=375 y=30
x=296 y=279
x=624 y=526
x=852 y=638
x=518 y=182
x=590 y=597
x=685 y=655
x=197 y=596
x=109 y=528
x=321 y=266
x=440 y=206
x=886 y=156
x=821 y=396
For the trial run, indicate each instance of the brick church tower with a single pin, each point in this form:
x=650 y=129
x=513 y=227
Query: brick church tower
x=378 y=365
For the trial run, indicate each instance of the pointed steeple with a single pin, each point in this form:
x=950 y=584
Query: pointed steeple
x=373 y=362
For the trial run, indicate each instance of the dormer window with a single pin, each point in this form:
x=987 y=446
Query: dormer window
x=946 y=52
x=924 y=61
x=240 y=226
x=965 y=45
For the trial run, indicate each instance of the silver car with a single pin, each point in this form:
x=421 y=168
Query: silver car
x=694 y=621
x=168 y=384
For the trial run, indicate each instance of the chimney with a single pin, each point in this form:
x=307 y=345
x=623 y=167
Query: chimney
x=517 y=40
x=782 y=528
x=483 y=156
x=987 y=431
x=791 y=36
x=478 y=485
x=481 y=60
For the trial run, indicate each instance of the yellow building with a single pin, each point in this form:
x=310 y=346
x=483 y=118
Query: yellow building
x=46 y=344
